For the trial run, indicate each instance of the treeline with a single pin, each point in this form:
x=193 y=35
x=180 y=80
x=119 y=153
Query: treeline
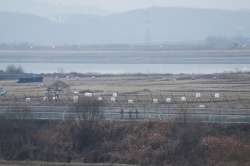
x=12 y=69
x=141 y=143
x=12 y=72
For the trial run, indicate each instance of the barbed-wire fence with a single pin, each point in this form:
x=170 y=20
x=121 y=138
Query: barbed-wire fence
x=183 y=106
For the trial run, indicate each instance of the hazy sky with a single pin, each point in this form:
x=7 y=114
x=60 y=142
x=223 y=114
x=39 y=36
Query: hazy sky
x=115 y=5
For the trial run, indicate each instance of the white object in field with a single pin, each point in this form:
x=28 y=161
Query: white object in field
x=113 y=99
x=87 y=94
x=115 y=94
x=198 y=95
x=45 y=98
x=202 y=106
x=75 y=99
x=183 y=98
x=155 y=101
x=130 y=101
x=28 y=100
x=54 y=98
x=168 y=100
x=76 y=92
x=100 y=99
x=217 y=95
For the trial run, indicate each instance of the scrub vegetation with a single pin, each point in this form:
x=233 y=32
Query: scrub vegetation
x=137 y=143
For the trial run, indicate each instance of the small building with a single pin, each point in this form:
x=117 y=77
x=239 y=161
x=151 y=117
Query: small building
x=56 y=89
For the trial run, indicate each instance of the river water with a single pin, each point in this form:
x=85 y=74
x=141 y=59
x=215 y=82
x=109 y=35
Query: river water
x=118 y=62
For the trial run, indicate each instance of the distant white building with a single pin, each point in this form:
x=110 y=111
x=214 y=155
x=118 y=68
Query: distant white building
x=202 y=106
x=113 y=99
x=168 y=100
x=155 y=101
x=130 y=101
x=45 y=98
x=217 y=95
x=27 y=100
x=115 y=94
x=183 y=98
x=88 y=94
x=75 y=99
x=198 y=95
x=99 y=98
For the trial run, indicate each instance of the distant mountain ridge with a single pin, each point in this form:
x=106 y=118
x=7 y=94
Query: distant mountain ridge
x=151 y=24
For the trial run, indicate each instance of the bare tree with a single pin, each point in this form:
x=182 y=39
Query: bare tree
x=88 y=108
x=12 y=69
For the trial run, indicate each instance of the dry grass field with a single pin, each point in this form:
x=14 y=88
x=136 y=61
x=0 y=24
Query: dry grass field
x=134 y=83
x=233 y=88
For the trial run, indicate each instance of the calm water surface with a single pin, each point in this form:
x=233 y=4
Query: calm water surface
x=116 y=62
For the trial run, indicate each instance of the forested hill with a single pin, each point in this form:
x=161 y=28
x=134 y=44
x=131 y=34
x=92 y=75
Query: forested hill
x=154 y=24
